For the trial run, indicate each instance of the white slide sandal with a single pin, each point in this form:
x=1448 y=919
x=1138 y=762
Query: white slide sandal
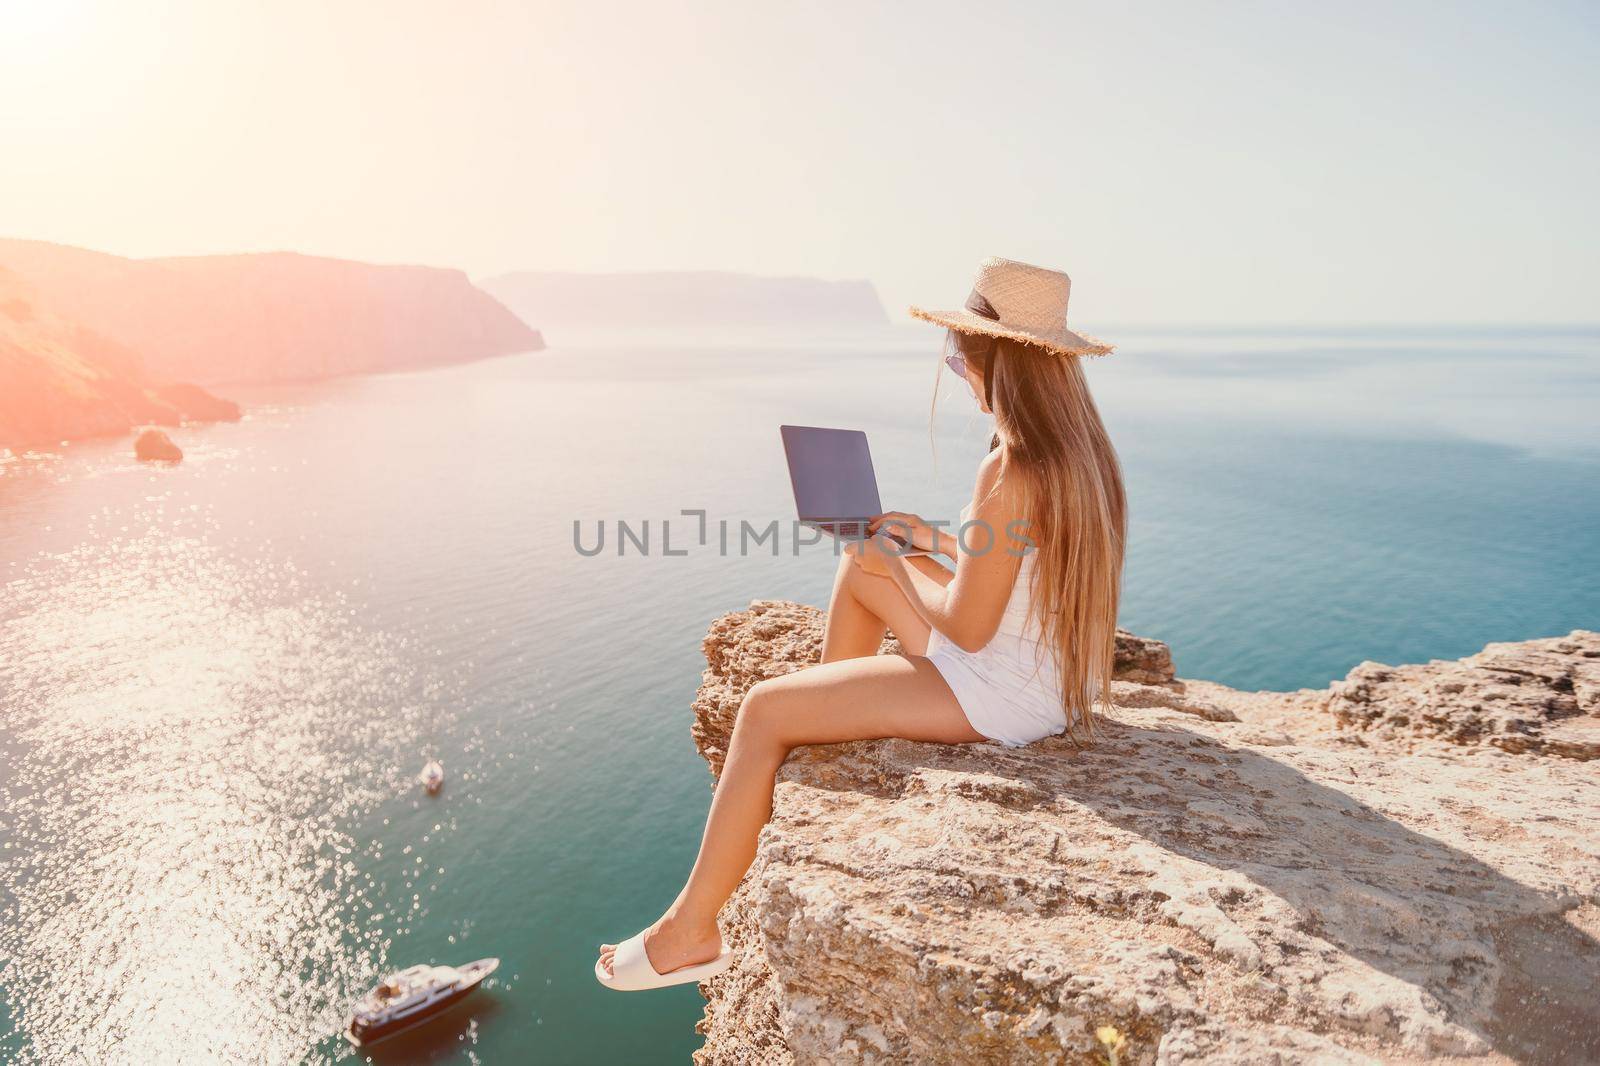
x=631 y=970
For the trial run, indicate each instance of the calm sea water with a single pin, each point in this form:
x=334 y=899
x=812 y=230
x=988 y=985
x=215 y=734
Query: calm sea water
x=218 y=680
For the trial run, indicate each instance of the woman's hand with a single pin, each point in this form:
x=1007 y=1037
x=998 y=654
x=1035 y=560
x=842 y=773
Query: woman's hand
x=910 y=526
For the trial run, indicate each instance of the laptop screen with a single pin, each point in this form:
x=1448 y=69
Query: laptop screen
x=831 y=470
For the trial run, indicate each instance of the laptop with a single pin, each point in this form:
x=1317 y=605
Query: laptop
x=835 y=489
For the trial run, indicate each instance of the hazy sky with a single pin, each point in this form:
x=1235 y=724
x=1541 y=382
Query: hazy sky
x=1185 y=162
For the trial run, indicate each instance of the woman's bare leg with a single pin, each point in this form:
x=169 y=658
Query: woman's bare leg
x=864 y=605
x=856 y=699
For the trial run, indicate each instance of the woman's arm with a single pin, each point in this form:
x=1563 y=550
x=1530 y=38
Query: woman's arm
x=910 y=526
x=968 y=610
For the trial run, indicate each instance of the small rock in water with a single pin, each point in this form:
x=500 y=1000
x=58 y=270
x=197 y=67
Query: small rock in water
x=155 y=446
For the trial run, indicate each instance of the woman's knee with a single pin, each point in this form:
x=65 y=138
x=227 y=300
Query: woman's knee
x=861 y=586
x=761 y=714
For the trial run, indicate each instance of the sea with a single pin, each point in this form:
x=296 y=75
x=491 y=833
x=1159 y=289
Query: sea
x=218 y=680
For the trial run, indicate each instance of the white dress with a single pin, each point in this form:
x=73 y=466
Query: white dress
x=1008 y=689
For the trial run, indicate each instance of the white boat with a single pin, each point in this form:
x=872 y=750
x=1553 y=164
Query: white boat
x=432 y=776
x=411 y=997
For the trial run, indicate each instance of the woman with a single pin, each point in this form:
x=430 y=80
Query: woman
x=1012 y=646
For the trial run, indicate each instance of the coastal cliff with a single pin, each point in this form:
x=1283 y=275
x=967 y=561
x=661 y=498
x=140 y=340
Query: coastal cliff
x=276 y=316
x=60 y=381
x=1399 y=868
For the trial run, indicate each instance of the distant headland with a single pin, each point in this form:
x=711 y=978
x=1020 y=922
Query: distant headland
x=92 y=344
x=685 y=300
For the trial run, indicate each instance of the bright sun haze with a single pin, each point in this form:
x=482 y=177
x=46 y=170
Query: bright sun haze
x=1187 y=163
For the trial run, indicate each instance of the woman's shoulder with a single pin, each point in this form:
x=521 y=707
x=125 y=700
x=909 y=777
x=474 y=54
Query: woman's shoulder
x=990 y=469
x=993 y=483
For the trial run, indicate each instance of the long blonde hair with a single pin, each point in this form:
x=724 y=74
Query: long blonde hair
x=1058 y=458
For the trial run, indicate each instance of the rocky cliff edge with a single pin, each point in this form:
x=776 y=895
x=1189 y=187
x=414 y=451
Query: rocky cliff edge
x=1400 y=868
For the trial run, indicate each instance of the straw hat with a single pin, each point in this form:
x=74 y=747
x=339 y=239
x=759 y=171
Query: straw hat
x=1022 y=303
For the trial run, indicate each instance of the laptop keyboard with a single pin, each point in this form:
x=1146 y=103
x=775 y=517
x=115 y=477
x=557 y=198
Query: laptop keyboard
x=854 y=530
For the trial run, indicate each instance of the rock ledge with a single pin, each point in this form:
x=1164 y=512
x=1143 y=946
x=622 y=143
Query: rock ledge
x=1306 y=877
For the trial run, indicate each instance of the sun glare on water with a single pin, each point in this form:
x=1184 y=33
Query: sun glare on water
x=180 y=881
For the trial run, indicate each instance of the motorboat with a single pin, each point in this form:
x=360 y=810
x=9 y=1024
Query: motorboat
x=432 y=777
x=412 y=996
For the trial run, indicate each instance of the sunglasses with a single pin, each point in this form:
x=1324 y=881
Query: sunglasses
x=957 y=362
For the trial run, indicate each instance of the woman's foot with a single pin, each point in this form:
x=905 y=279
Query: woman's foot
x=672 y=943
